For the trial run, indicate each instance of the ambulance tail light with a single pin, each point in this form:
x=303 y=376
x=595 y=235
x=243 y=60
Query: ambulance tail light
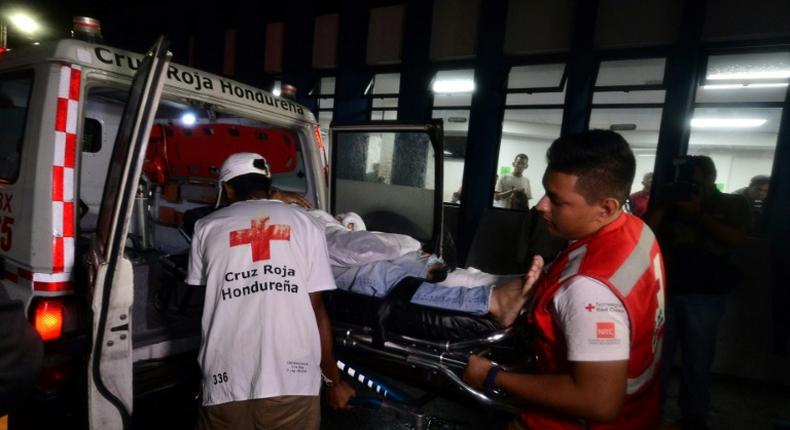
x=319 y=140
x=3 y=50
x=48 y=319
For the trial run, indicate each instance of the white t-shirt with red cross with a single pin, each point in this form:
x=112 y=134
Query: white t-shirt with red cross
x=259 y=260
x=593 y=320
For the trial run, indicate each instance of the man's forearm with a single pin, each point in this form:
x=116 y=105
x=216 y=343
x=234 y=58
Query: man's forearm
x=561 y=393
x=328 y=364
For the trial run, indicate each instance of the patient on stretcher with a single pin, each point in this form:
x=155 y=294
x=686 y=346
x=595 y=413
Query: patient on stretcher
x=372 y=263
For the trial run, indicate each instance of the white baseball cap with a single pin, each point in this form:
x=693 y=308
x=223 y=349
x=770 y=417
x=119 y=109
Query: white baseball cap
x=241 y=163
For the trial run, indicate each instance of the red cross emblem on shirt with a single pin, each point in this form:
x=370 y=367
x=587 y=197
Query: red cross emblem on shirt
x=259 y=236
x=589 y=307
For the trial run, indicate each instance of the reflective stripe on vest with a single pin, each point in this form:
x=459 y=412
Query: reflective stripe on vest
x=575 y=258
x=635 y=265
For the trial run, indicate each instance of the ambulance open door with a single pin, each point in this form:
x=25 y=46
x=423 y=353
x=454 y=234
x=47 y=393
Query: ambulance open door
x=110 y=277
x=390 y=173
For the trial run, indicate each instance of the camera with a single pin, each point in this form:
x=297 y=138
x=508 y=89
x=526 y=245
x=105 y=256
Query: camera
x=684 y=187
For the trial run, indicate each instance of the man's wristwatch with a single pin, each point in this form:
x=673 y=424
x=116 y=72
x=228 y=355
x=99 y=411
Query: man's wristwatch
x=490 y=384
x=328 y=382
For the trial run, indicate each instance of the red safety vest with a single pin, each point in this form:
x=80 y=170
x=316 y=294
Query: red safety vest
x=625 y=256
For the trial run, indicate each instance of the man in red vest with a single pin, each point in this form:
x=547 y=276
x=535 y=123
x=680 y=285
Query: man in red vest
x=598 y=309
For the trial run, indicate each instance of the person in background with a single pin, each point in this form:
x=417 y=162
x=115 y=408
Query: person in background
x=266 y=337
x=598 y=311
x=640 y=199
x=456 y=198
x=756 y=193
x=514 y=190
x=697 y=226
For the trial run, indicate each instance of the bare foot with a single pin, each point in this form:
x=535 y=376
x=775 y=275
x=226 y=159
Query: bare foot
x=533 y=274
x=508 y=299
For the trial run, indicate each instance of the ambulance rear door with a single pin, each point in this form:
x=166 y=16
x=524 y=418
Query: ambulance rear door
x=110 y=391
x=390 y=173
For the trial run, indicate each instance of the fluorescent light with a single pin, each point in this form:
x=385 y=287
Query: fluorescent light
x=276 y=92
x=727 y=122
x=743 y=86
x=24 y=23
x=765 y=74
x=447 y=86
x=188 y=119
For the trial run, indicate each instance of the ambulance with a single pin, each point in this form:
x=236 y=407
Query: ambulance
x=105 y=158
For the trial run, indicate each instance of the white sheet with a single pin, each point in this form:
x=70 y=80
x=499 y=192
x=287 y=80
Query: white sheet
x=355 y=248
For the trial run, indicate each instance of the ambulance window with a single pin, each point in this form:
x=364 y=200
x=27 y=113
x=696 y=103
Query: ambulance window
x=91 y=136
x=14 y=98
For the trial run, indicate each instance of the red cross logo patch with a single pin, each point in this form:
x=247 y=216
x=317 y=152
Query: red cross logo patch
x=259 y=236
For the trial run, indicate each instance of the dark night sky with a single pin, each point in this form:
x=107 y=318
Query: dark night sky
x=134 y=24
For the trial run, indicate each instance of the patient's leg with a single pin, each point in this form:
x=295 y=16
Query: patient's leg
x=472 y=277
x=377 y=279
x=503 y=302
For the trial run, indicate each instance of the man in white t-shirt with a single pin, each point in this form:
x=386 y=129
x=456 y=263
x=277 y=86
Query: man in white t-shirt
x=513 y=191
x=266 y=337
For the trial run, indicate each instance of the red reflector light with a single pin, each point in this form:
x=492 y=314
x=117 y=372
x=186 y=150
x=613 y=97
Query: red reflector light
x=2 y=50
x=318 y=139
x=49 y=319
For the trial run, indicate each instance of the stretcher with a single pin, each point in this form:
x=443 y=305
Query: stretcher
x=394 y=331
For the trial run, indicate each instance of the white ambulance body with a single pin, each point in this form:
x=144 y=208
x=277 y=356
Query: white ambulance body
x=62 y=106
x=102 y=152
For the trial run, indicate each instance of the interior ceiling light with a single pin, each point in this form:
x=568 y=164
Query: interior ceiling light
x=744 y=85
x=762 y=74
x=727 y=122
x=188 y=119
x=449 y=86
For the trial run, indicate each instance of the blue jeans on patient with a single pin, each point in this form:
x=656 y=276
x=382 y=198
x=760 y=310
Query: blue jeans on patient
x=378 y=278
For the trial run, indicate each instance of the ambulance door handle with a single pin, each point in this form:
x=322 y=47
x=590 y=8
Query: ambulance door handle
x=124 y=327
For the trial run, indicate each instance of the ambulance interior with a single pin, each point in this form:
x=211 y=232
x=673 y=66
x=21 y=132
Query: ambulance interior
x=188 y=144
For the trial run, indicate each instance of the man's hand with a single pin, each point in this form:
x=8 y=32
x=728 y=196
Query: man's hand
x=291 y=197
x=339 y=394
x=476 y=371
x=533 y=274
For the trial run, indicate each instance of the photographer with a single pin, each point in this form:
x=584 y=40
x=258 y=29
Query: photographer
x=697 y=227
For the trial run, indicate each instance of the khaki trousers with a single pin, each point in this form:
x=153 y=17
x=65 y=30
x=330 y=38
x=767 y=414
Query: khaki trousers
x=274 y=413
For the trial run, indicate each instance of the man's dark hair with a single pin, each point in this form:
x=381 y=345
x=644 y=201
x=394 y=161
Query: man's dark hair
x=601 y=159
x=247 y=185
x=705 y=165
x=760 y=180
x=524 y=156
